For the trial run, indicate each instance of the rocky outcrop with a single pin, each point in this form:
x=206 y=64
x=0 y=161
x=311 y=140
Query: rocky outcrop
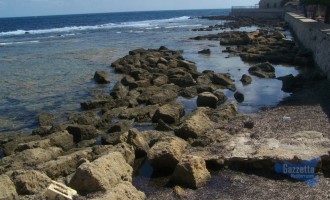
x=195 y=125
x=29 y=182
x=169 y=113
x=224 y=113
x=166 y=154
x=45 y=119
x=135 y=139
x=101 y=77
x=7 y=189
x=82 y=132
x=207 y=99
x=102 y=174
x=205 y=51
x=191 y=172
x=263 y=70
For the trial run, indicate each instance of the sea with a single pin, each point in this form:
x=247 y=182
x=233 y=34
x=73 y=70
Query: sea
x=47 y=62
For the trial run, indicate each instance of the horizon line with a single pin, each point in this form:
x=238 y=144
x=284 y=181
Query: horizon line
x=53 y=15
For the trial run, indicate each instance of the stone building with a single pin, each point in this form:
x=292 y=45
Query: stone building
x=270 y=4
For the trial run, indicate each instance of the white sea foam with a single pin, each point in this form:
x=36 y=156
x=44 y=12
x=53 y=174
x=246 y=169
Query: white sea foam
x=133 y=24
x=21 y=42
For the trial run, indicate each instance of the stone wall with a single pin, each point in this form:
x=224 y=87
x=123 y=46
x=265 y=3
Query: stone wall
x=314 y=36
x=257 y=13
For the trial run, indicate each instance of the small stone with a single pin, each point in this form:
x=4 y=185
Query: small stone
x=101 y=77
x=239 y=97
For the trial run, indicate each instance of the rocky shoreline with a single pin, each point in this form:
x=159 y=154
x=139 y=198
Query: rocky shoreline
x=99 y=151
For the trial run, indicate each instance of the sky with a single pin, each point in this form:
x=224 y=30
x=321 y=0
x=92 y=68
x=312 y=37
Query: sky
x=18 y=8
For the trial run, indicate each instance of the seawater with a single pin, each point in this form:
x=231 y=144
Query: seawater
x=47 y=63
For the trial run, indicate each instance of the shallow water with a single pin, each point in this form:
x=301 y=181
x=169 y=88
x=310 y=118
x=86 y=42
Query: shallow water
x=51 y=68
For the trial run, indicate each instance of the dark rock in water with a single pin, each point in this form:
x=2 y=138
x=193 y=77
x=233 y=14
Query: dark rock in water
x=45 y=119
x=290 y=83
x=246 y=79
x=82 y=132
x=182 y=80
x=222 y=98
x=222 y=79
x=92 y=104
x=205 y=51
x=84 y=118
x=207 y=99
x=239 y=97
x=169 y=113
x=191 y=172
x=189 y=92
x=101 y=77
x=263 y=70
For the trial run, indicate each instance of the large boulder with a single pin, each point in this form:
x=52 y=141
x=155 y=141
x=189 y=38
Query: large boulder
x=239 y=97
x=102 y=174
x=166 y=153
x=119 y=91
x=7 y=189
x=124 y=190
x=101 y=77
x=169 y=113
x=207 y=99
x=263 y=70
x=195 y=125
x=29 y=182
x=222 y=79
x=82 y=132
x=191 y=172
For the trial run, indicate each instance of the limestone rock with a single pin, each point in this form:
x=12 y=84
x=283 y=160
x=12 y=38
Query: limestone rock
x=124 y=190
x=29 y=182
x=207 y=99
x=102 y=174
x=45 y=119
x=166 y=153
x=62 y=139
x=135 y=139
x=224 y=113
x=82 y=132
x=7 y=189
x=169 y=113
x=191 y=172
x=195 y=125
x=64 y=165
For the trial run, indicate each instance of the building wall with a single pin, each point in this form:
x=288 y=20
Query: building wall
x=269 y=4
x=258 y=13
x=314 y=36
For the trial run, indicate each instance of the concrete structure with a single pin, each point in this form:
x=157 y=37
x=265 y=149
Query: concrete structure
x=270 y=4
x=314 y=36
x=256 y=12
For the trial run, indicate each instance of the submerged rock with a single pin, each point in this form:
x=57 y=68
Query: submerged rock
x=263 y=70
x=205 y=51
x=101 y=77
x=246 y=79
x=239 y=97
